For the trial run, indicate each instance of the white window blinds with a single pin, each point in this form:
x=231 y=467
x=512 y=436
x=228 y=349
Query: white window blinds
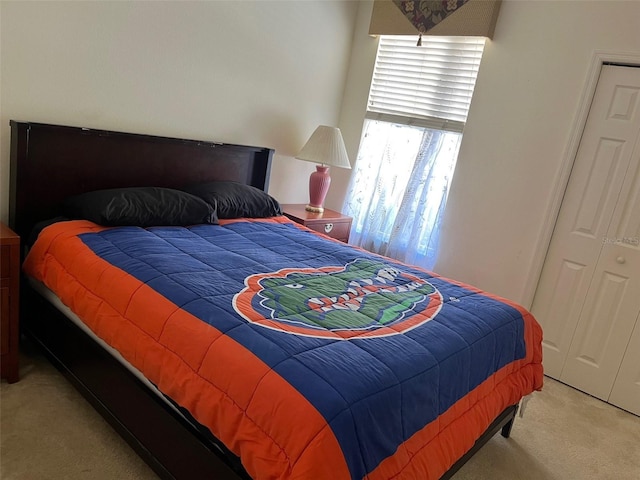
x=428 y=86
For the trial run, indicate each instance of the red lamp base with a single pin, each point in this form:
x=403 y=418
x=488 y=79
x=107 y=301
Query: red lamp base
x=319 y=182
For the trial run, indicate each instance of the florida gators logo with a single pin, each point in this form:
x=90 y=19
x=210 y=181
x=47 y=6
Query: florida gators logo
x=364 y=298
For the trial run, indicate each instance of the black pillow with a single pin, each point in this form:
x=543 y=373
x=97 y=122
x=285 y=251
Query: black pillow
x=236 y=200
x=139 y=206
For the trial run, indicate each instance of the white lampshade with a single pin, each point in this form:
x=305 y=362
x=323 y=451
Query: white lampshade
x=327 y=147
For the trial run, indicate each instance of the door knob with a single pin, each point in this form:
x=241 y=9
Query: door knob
x=621 y=259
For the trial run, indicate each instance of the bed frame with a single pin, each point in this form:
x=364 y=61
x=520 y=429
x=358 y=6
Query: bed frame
x=52 y=162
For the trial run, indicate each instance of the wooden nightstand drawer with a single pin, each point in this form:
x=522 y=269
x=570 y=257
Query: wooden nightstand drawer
x=9 y=300
x=339 y=231
x=4 y=311
x=5 y=261
x=331 y=223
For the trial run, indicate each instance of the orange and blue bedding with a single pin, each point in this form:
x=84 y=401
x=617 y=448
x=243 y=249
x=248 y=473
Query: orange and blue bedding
x=307 y=357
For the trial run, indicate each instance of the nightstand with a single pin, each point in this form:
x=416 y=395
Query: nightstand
x=10 y=288
x=331 y=223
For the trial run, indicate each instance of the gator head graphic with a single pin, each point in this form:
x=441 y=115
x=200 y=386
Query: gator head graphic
x=365 y=298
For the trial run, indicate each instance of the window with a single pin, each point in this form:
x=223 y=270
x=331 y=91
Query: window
x=418 y=105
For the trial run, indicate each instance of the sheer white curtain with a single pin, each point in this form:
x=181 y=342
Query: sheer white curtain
x=417 y=109
x=399 y=190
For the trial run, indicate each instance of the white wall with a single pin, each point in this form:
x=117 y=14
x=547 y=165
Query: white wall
x=524 y=111
x=260 y=73
x=354 y=104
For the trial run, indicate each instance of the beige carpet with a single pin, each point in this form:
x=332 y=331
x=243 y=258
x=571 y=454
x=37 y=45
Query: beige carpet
x=50 y=432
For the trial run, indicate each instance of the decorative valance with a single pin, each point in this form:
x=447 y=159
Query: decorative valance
x=434 y=17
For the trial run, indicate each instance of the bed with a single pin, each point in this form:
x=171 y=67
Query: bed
x=297 y=381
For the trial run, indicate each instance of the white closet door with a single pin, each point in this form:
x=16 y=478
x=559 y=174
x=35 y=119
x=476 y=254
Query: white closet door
x=626 y=389
x=613 y=299
x=573 y=288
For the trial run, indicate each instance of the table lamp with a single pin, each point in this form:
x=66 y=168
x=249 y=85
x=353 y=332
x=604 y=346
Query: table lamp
x=326 y=148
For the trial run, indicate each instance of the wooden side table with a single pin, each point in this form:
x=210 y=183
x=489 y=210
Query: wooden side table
x=9 y=301
x=331 y=223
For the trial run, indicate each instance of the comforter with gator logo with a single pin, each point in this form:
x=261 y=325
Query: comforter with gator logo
x=308 y=358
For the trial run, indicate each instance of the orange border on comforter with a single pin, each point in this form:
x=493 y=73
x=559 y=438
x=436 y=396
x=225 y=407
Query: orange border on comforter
x=271 y=426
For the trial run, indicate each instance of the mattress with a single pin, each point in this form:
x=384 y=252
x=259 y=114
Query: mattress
x=307 y=357
x=57 y=303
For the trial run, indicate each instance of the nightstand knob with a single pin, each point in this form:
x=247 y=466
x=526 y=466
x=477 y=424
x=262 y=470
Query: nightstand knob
x=328 y=227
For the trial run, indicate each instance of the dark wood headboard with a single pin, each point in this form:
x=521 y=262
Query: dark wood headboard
x=52 y=162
